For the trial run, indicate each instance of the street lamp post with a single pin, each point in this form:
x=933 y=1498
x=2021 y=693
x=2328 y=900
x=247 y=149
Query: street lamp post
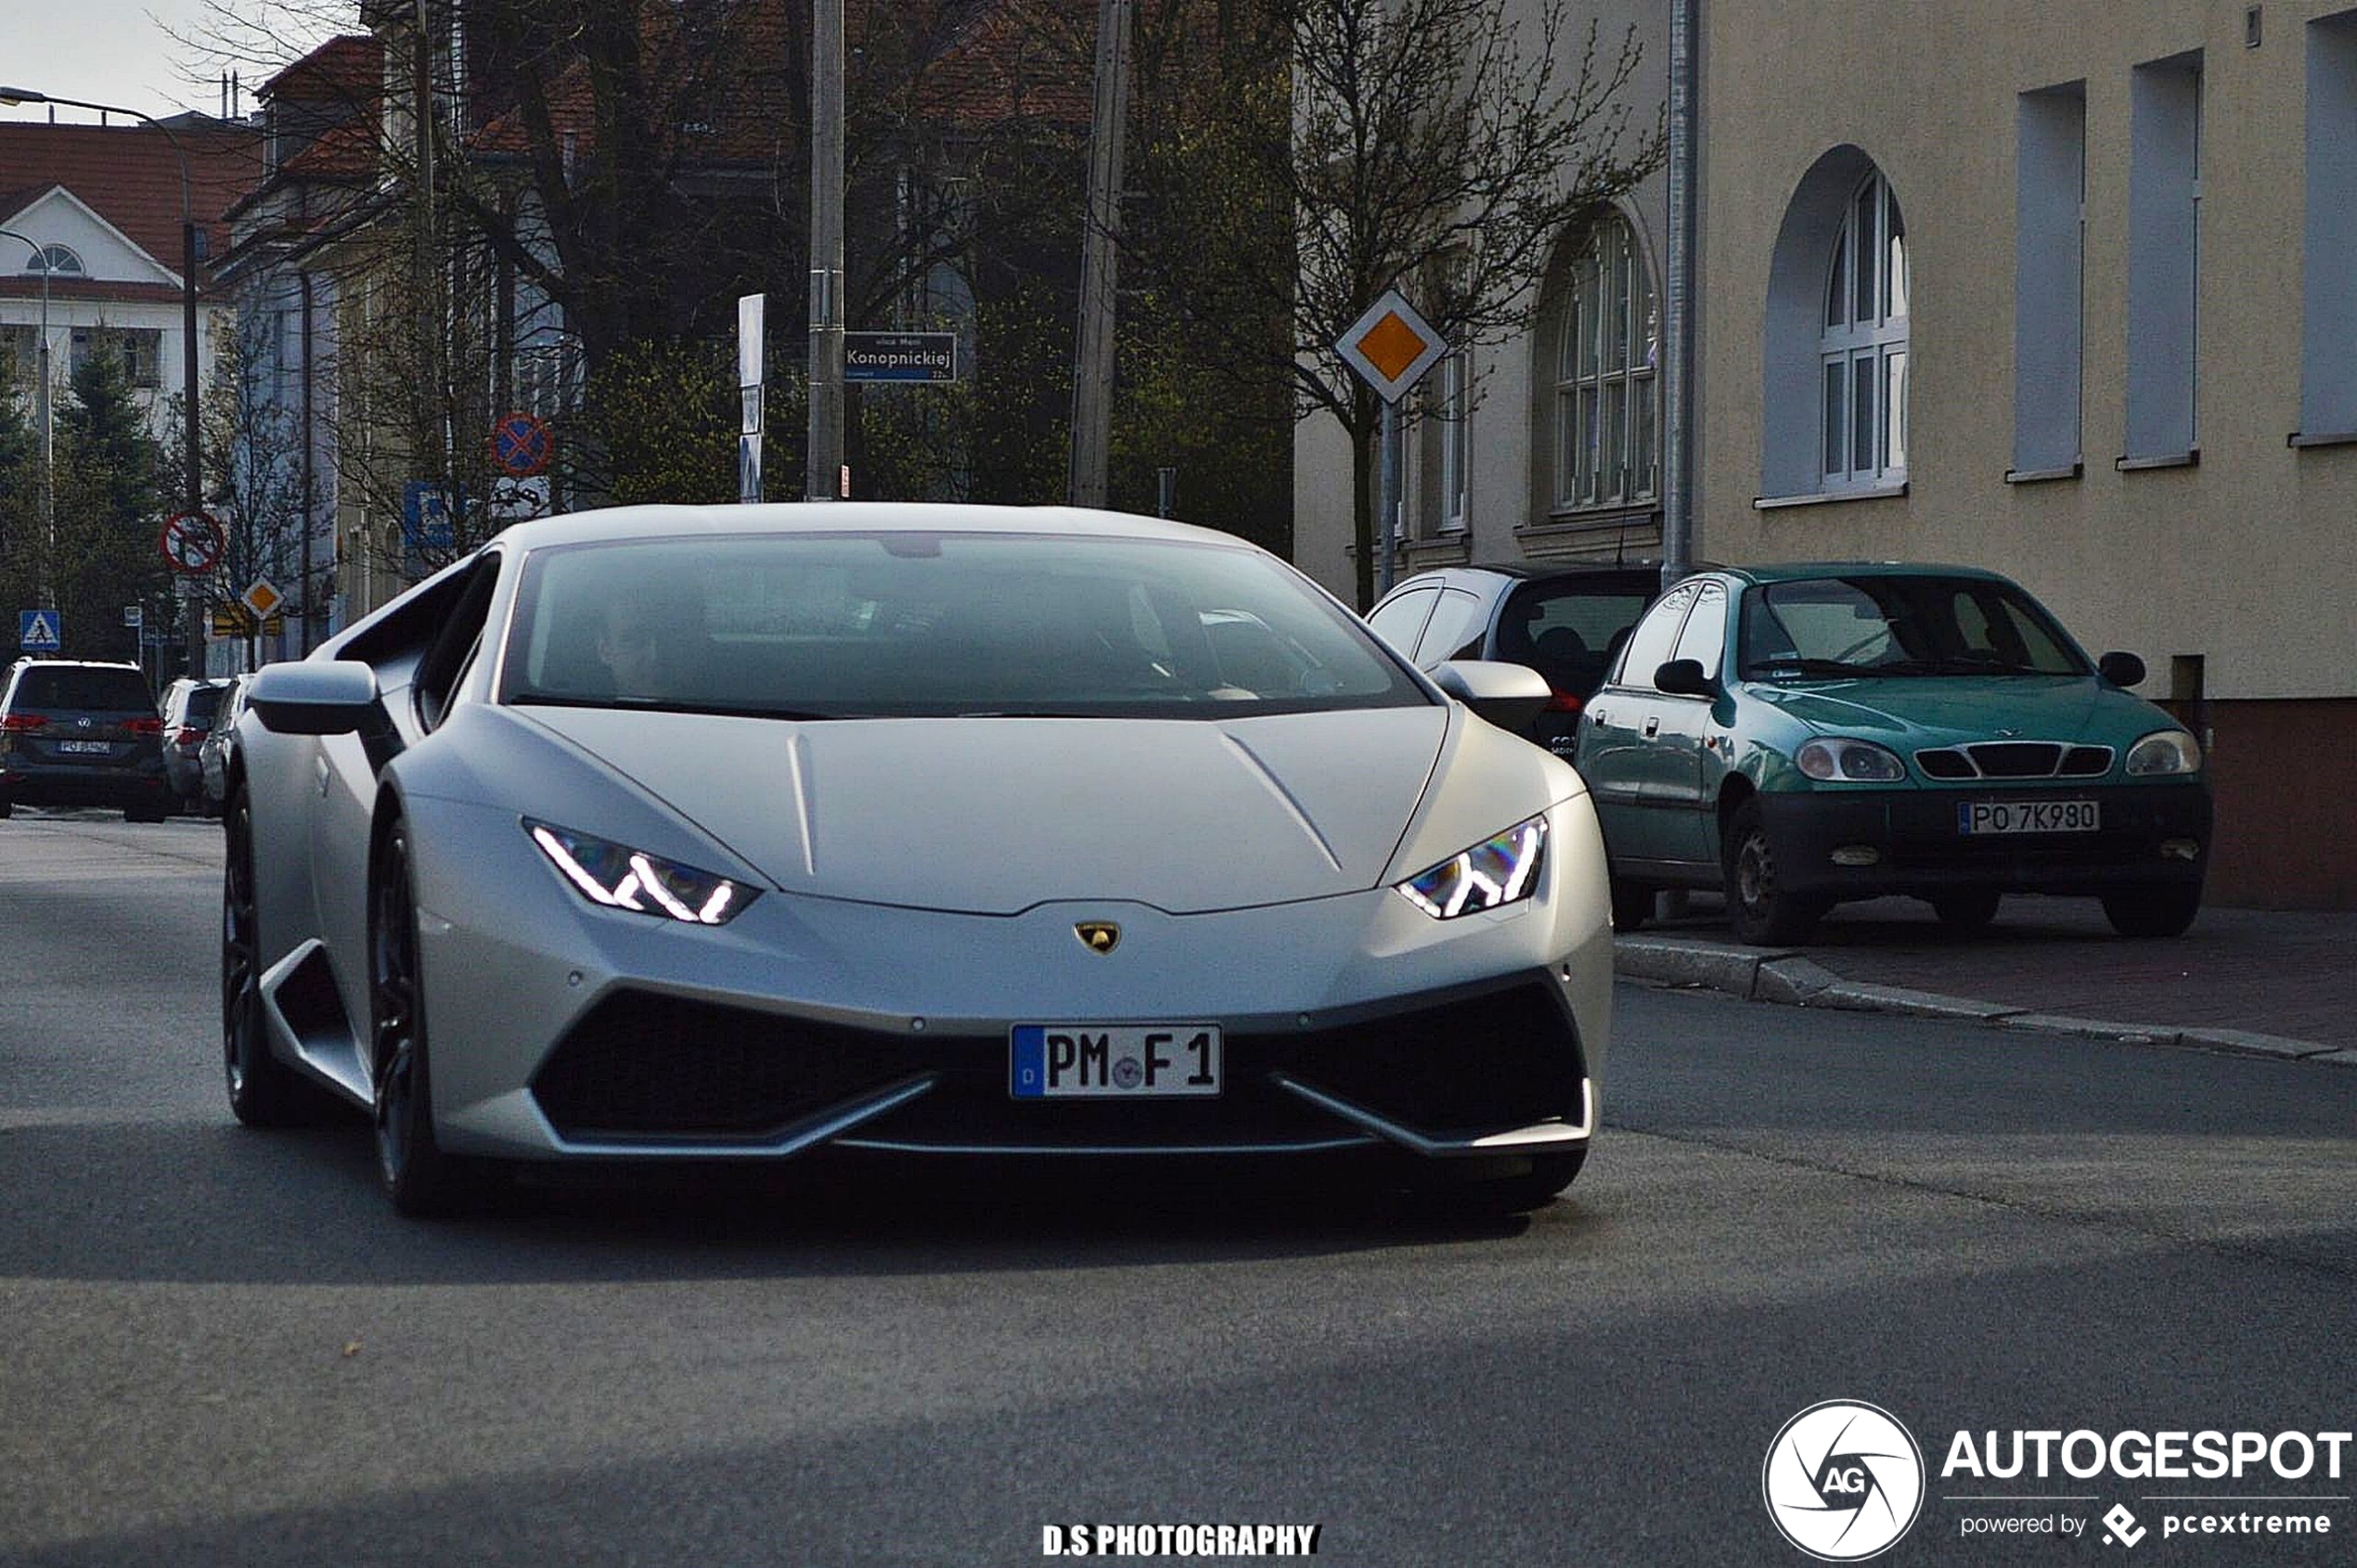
x=194 y=500
x=41 y=410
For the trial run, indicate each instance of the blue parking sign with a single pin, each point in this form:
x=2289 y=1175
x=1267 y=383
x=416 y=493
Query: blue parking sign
x=37 y=630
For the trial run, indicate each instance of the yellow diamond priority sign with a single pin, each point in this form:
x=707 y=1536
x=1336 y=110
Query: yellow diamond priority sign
x=1391 y=346
x=261 y=598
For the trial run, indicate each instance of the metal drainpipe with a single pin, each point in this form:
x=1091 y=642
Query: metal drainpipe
x=1678 y=374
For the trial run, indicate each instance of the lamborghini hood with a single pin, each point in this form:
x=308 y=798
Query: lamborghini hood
x=992 y=815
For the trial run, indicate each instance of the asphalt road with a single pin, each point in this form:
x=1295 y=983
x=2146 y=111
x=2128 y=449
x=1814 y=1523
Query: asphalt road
x=218 y=1346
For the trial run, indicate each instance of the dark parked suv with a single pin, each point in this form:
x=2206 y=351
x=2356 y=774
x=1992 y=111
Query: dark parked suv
x=76 y=734
x=1564 y=621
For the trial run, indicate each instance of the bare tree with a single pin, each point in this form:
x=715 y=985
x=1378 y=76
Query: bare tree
x=1444 y=145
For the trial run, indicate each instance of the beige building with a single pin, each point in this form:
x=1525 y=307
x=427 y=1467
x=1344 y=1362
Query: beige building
x=2068 y=289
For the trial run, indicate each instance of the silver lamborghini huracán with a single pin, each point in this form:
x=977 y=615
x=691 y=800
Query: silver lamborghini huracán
x=695 y=833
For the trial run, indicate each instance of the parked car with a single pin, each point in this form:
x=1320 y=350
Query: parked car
x=1564 y=621
x=213 y=759
x=1802 y=735
x=747 y=833
x=73 y=733
x=188 y=706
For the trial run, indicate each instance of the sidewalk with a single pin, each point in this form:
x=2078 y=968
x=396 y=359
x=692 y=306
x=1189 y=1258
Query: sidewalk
x=2273 y=982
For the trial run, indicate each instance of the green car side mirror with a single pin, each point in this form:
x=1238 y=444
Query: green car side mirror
x=1683 y=677
x=2122 y=669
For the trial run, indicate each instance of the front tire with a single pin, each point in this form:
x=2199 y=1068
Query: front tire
x=1632 y=904
x=1762 y=910
x=1548 y=1174
x=2153 y=912
x=418 y=1178
x=1966 y=909
x=264 y=1091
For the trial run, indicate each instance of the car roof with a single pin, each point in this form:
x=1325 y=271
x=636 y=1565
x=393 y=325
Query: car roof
x=1787 y=571
x=825 y=517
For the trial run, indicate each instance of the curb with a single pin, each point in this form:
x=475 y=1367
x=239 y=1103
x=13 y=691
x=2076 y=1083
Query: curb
x=1783 y=975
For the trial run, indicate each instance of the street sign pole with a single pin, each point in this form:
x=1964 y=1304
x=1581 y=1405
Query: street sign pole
x=1387 y=500
x=1390 y=347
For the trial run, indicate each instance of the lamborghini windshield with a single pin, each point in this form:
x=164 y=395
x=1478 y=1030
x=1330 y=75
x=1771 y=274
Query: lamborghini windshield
x=894 y=623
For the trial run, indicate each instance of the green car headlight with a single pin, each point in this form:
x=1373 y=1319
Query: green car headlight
x=618 y=876
x=2164 y=752
x=1856 y=762
x=1498 y=871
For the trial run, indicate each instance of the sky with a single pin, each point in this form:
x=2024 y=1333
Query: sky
x=124 y=51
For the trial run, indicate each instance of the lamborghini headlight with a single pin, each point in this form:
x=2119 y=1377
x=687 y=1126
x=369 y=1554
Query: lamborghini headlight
x=1495 y=872
x=621 y=878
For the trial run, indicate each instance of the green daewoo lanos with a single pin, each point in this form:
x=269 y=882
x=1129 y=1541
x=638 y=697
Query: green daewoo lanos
x=1801 y=734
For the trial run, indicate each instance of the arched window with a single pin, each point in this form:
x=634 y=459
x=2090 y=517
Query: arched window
x=54 y=258
x=1862 y=352
x=1607 y=350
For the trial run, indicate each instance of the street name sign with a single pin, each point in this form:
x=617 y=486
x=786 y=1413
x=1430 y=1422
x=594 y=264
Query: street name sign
x=920 y=357
x=1391 y=346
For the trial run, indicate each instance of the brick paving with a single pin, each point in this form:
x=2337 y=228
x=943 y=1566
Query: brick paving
x=2273 y=972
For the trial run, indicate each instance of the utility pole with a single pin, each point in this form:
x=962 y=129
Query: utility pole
x=310 y=586
x=1093 y=362
x=823 y=469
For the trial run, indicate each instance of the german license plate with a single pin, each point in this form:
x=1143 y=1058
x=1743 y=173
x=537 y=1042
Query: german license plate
x=1981 y=817
x=1113 y=1062
x=84 y=747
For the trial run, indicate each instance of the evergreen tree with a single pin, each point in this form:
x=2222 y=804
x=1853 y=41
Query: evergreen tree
x=20 y=495
x=108 y=507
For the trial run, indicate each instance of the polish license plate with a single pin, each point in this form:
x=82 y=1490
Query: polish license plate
x=1985 y=818
x=1113 y=1062
x=84 y=747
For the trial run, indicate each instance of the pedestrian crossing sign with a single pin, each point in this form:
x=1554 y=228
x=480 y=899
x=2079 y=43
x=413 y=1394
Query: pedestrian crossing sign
x=37 y=631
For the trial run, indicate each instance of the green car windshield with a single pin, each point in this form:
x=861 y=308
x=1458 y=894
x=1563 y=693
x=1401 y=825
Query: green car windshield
x=1872 y=625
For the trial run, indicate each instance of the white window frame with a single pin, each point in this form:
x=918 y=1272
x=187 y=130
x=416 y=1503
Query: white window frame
x=1862 y=345
x=1607 y=415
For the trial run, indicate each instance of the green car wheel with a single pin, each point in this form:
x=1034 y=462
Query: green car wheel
x=1762 y=911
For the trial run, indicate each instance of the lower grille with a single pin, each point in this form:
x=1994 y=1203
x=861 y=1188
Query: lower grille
x=1504 y=1059
x=643 y=1066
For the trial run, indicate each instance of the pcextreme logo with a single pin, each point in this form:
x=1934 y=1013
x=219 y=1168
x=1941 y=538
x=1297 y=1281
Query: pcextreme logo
x=1843 y=1481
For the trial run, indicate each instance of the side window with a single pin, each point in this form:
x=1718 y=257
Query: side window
x=438 y=673
x=1455 y=630
x=1650 y=643
x=1704 y=637
x=1400 y=617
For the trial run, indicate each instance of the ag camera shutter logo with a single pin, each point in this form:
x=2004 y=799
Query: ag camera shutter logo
x=1844 y=1480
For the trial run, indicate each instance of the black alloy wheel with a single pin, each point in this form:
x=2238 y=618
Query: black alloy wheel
x=1762 y=911
x=417 y=1176
x=1966 y=909
x=264 y=1091
x=2153 y=912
